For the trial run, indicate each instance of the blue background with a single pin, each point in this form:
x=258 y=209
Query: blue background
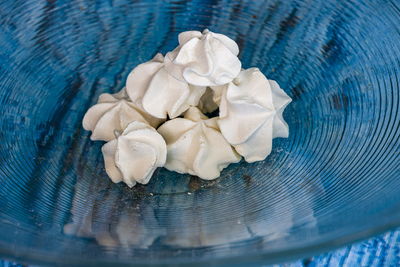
x=333 y=181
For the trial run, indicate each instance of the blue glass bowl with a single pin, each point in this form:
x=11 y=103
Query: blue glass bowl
x=333 y=181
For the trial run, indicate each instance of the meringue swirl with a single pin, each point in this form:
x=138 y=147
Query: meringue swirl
x=134 y=155
x=160 y=93
x=196 y=146
x=113 y=112
x=251 y=114
x=204 y=59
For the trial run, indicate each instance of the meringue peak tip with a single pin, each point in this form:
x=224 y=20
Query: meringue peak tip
x=130 y=185
x=158 y=57
x=117 y=133
x=236 y=81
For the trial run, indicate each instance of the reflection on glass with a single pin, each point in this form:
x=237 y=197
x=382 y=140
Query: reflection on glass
x=208 y=216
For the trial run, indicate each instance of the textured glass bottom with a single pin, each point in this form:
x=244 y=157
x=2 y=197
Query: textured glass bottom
x=333 y=181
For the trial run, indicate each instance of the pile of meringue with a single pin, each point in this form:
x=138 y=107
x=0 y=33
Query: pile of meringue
x=158 y=119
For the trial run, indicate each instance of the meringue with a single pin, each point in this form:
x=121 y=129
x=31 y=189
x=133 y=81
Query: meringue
x=134 y=155
x=114 y=112
x=251 y=114
x=160 y=93
x=204 y=59
x=195 y=145
x=203 y=75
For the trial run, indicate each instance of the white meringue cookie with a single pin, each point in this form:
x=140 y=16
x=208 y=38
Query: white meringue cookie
x=204 y=59
x=114 y=112
x=135 y=154
x=251 y=114
x=196 y=146
x=160 y=93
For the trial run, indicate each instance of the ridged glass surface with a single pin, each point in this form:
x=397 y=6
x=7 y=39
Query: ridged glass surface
x=333 y=181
